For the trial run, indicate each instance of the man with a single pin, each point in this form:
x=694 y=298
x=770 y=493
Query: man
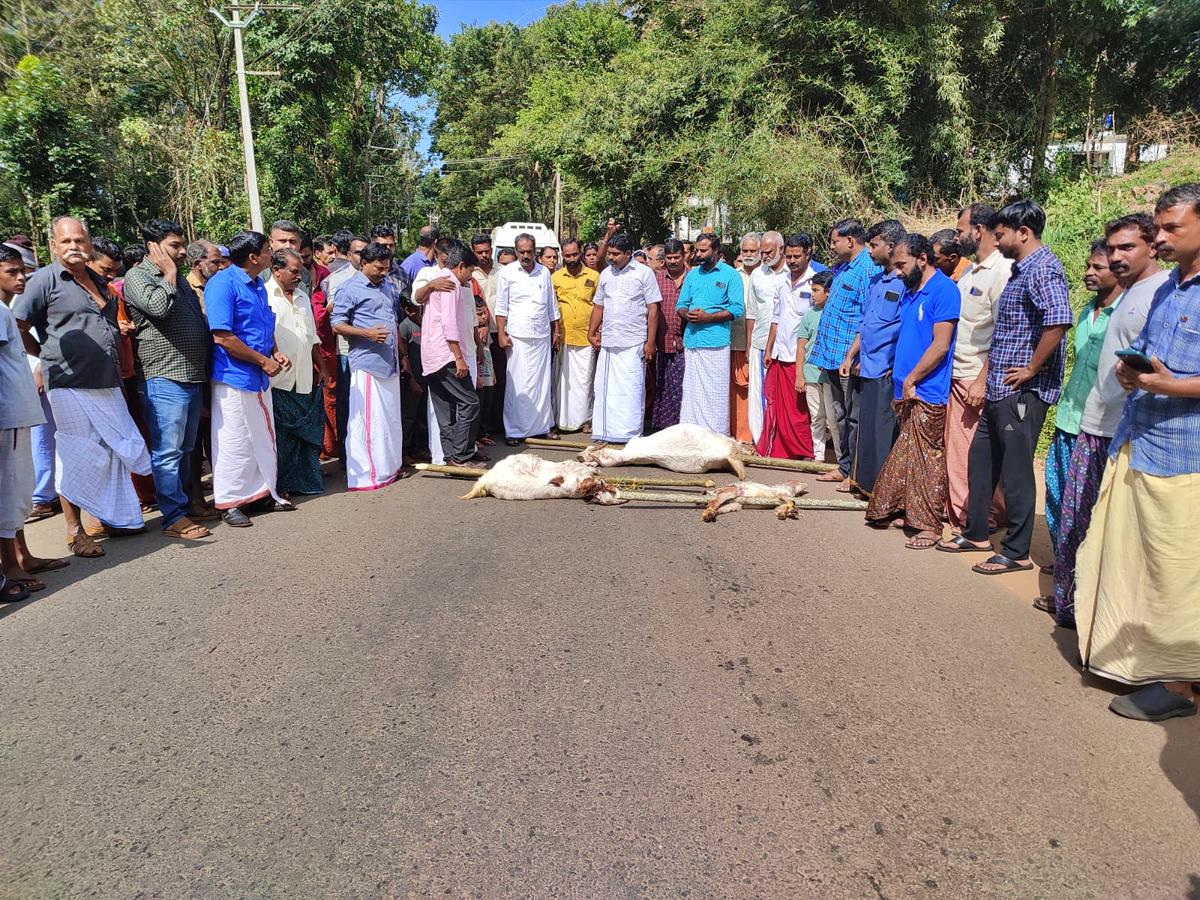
x=244 y=360
x=173 y=349
x=1088 y=340
x=872 y=356
x=447 y=341
x=669 y=360
x=287 y=235
x=765 y=280
x=710 y=300
x=344 y=265
x=839 y=324
x=574 y=288
x=97 y=442
x=491 y=415
x=397 y=281
x=950 y=257
x=1024 y=378
x=1132 y=259
x=911 y=487
x=750 y=256
x=20 y=411
x=787 y=429
x=980 y=289
x=622 y=327
x=1138 y=571
x=367 y=316
x=323 y=250
x=528 y=328
x=656 y=257
x=203 y=260
x=423 y=255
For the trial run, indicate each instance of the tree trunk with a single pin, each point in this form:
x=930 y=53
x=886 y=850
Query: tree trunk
x=1048 y=98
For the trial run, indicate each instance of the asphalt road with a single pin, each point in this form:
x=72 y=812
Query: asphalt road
x=399 y=694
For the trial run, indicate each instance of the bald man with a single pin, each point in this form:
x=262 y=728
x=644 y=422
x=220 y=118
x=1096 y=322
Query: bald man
x=98 y=444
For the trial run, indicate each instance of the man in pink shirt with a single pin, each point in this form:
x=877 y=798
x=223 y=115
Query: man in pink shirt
x=447 y=335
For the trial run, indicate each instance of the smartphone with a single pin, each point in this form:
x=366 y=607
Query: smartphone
x=1136 y=360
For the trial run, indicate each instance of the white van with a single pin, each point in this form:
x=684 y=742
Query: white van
x=504 y=235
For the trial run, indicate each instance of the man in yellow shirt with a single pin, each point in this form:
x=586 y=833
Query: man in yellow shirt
x=574 y=287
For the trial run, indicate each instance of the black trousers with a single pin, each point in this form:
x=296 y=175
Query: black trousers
x=1002 y=453
x=845 y=415
x=876 y=430
x=492 y=415
x=456 y=405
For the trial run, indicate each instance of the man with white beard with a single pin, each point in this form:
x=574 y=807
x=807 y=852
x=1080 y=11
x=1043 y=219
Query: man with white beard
x=760 y=307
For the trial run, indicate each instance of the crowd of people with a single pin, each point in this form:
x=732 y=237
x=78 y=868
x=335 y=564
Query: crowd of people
x=927 y=365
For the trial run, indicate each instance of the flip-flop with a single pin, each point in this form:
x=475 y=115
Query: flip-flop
x=916 y=542
x=830 y=476
x=959 y=544
x=1045 y=604
x=33 y=585
x=553 y=436
x=513 y=442
x=12 y=591
x=48 y=565
x=1007 y=565
x=843 y=488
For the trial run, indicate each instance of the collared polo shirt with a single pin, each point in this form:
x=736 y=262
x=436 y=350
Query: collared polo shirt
x=880 y=325
x=842 y=314
x=1088 y=339
x=80 y=341
x=1035 y=298
x=1165 y=431
x=526 y=299
x=711 y=290
x=937 y=301
x=626 y=296
x=574 y=294
x=980 y=288
x=20 y=407
x=365 y=305
x=1106 y=400
x=295 y=336
x=237 y=303
x=173 y=340
x=792 y=301
x=760 y=303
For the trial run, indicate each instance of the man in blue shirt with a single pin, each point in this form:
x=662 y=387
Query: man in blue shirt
x=711 y=298
x=423 y=255
x=839 y=323
x=912 y=482
x=244 y=359
x=1137 y=598
x=871 y=356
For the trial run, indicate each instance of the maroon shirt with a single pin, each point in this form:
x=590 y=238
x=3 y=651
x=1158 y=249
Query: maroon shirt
x=670 y=329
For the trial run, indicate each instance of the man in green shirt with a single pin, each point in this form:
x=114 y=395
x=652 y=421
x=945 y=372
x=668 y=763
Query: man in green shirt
x=1088 y=339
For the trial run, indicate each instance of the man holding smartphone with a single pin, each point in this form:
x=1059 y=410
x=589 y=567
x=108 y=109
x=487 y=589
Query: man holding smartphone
x=1138 y=596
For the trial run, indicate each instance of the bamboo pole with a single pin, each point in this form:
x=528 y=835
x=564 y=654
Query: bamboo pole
x=752 y=502
x=810 y=466
x=628 y=481
x=455 y=471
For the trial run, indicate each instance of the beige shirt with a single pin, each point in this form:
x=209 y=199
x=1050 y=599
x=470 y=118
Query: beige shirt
x=295 y=336
x=980 y=287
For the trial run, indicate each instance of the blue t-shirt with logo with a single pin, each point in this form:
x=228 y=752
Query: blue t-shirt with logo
x=938 y=301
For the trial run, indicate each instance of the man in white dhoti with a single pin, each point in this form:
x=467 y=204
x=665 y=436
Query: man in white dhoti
x=368 y=316
x=710 y=300
x=575 y=364
x=245 y=358
x=98 y=445
x=760 y=308
x=528 y=328
x=622 y=327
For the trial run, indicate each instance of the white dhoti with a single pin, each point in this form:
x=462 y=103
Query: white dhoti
x=620 y=395
x=374 y=432
x=706 y=388
x=528 y=403
x=243 y=443
x=574 y=370
x=97 y=447
x=436 y=455
x=16 y=480
x=754 y=397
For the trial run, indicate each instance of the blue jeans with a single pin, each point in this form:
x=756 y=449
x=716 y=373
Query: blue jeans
x=172 y=410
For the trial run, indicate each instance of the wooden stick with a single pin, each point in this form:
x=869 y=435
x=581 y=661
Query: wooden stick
x=562 y=444
x=753 y=502
x=456 y=471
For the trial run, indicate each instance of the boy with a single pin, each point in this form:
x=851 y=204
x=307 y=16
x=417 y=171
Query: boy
x=810 y=379
x=448 y=337
x=416 y=430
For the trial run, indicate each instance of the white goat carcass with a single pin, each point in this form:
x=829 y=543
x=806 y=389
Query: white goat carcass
x=680 y=448
x=727 y=499
x=529 y=477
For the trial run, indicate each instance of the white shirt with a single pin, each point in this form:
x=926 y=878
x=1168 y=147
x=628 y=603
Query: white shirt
x=336 y=279
x=791 y=303
x=760 y=305
x=625 y=296
x=1106 y=401
x=527 y=300
x=295 y=336
x=487 y=284
x=980 y=287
